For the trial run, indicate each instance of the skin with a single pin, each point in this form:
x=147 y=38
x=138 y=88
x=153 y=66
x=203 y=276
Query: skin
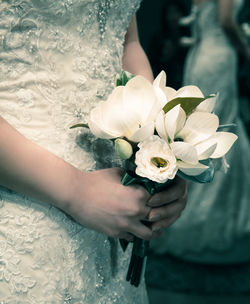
x=114 y=209
x=135 y=60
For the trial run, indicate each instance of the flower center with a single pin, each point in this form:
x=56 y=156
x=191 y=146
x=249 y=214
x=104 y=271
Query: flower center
x=159 y=162
x=178 y=139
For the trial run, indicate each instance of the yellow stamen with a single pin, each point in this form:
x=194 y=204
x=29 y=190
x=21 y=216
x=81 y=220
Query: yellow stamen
x=159 y=162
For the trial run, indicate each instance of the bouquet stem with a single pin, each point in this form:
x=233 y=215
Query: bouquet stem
x=138 y=261
x=138 y=258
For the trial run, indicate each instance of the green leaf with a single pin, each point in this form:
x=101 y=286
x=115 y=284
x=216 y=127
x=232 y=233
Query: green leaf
x=123 y=78
x=188 y=104
x=118 y=82
x=82 y=125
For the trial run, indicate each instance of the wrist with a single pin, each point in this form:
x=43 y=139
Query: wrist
x=76 y=183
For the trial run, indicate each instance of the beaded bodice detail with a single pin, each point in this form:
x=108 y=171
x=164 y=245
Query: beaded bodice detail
x=58 y=59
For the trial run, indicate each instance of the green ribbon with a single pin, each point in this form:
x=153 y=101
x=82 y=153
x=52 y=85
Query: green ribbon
x=152 y=187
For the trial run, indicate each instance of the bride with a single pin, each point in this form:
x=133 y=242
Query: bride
x=63 y=207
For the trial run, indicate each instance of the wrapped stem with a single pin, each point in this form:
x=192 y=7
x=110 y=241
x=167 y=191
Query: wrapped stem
x=138 y=258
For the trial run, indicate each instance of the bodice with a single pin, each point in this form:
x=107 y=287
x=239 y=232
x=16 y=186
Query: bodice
x=57 y=60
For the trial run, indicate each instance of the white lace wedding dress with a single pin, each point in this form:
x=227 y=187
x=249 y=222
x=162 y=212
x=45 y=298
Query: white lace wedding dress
x=215 y=225
x=58 y=59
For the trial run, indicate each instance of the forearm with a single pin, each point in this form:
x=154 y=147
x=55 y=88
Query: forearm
x=27 y=168
x=135 y=60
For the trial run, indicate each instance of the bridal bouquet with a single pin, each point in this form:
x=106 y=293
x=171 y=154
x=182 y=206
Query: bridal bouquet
x=160 y=133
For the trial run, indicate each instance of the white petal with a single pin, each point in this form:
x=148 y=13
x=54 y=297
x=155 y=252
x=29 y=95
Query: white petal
x=142 y=133
x=112 y=113
x=174 y=121
x=161 y=96
x=207 y=105
x=109 y=117
x=189 y=91
x=185 y=152
x=199 y=126
x=96 y=113
x=113 y=119
x=170 y=93
x=224 y=142
x=160 y=80
x=117 y=119
x=116 y=95
x=96 y=124
x=190 y=169
x=129 y=121
x=205 y=149
x=139 y=96
x=160 y=125
x=99 y=132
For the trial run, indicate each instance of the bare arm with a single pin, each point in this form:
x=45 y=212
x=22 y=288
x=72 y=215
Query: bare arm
x=232 y=28
x=95 y=199
x=135 y=60
x=27 y=168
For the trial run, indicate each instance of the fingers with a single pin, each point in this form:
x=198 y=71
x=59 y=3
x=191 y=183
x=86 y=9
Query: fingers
x=167 y=211
x=130 y=237
x=176 y=191
x=136 y=207
x=143 y=232
x=126 y=236
x=142 y=193
x=160 y=225
x=140 y=230
x=167 y=207
x=164 y=216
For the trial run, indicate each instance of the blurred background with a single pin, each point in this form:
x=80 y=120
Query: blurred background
x=166 y=34
x=166 y=43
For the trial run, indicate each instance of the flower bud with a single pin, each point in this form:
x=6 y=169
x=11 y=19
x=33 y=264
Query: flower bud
x=123 y=148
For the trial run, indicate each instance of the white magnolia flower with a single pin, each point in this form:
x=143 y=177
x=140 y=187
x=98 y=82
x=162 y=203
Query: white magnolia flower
x=193 y=138
x=208 y=104
x=166 y=94
x=130 y=112
x=155 y=160
x=159 y=85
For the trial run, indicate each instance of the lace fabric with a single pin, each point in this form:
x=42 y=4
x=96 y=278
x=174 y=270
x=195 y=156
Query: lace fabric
x=58 y=59
x=50 y=77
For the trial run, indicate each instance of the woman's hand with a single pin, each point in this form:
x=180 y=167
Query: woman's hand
x=96 y=199
x=167 y=205
x=102 y=203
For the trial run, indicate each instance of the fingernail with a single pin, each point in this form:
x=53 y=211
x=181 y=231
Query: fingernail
x=154 y=217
